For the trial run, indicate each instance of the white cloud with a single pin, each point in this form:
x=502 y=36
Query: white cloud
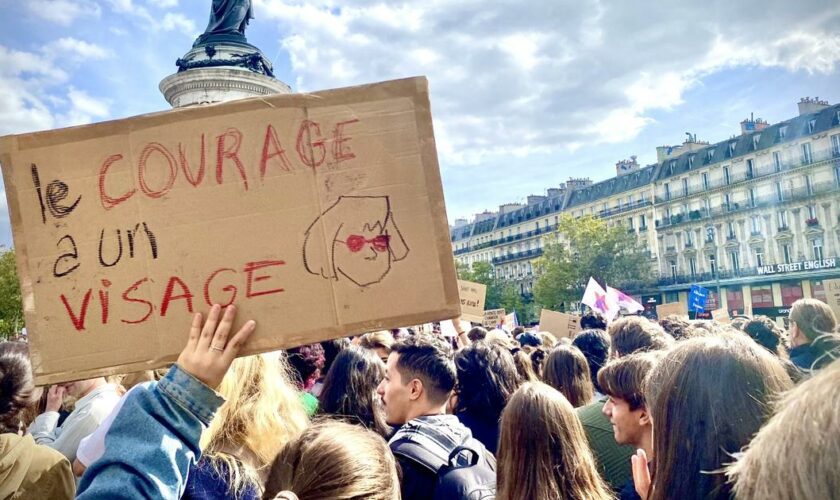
x=178 y=22
x=63 y=12
x=83 y=109
x=78 y=49
x=507 y=77
x=164 y=4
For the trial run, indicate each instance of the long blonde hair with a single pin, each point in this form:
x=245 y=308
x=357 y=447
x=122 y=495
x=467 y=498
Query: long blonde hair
x=261 y=414
x=543 y=451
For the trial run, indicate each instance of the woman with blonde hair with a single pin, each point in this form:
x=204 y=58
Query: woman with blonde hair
x=262 y=413
x=334 y=460
x=543 y=452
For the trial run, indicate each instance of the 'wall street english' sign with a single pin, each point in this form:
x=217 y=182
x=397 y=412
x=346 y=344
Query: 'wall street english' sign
x=808 y=265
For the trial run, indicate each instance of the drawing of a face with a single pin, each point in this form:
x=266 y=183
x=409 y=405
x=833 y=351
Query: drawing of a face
x=365 y=241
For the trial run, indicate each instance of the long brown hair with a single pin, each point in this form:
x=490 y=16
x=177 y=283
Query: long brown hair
x=335 y=460
x=707 y=398
x=568 y=371
x=543 y=451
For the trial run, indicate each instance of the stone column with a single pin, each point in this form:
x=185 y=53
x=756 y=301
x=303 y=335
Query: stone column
x=798 y=236
x=830 y=242
x=770 y=246
x=744 y=246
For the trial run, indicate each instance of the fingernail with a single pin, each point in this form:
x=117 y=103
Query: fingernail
x=251 y=324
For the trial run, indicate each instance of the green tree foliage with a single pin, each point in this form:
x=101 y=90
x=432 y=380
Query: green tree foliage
x=11 y=311
x=500 y=294
x=586 y=247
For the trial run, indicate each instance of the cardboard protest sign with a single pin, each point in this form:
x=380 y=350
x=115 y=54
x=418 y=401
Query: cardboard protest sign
x=559 y=324
x=493 y=318
x=320 y=215
x=472 y=300
x=721 y=316
x=832 y=295
x=677 y=308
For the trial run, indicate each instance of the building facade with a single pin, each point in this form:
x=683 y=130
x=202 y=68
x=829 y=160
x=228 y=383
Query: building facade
x=754 y=218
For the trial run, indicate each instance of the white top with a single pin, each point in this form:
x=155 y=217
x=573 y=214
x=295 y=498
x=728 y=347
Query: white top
x=90 y=411
x=93 y=446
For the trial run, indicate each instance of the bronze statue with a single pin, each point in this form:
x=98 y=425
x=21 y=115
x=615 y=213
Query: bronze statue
x=229 y=17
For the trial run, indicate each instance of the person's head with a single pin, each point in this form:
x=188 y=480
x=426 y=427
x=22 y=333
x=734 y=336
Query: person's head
x=595 y=346
x=675 y=326
x=567 y=371
x=707 y=398
x=419 y=378
x=501 y=338
x=380 y=342
x=524 y=365
x=487 y=378
x=636 y=334
x=766 y=333
x=593 y=320
x=80 y=388
x=788 y=459
x=262 y=412
x=528 y=339
x=738 y=322
x=517 y=331
x=543 y=451
x=335 y=460
x=331 y=350
x=809 y=320
x=17 y=387
x=349 y=390
x=623 y=381
x=548 y=339
x=306 y=362
x=476 y=333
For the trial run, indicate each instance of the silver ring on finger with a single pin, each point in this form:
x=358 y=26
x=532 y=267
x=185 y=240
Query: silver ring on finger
x=217 y=348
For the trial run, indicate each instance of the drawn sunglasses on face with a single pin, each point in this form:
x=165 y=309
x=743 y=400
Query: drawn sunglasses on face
x=356 y=243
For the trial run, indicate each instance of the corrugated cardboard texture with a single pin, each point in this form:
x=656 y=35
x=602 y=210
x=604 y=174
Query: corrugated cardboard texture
x=320 y=215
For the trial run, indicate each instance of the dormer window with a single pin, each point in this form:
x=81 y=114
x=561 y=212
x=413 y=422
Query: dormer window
x=732 y=148
x=756 y=138
x=690 y=162
x=710 y=154
x=812 y=124
x=782 y=132
x=671 y=166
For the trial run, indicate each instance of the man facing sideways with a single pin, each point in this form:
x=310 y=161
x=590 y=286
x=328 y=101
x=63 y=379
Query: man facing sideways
x=419 y=379
x=812 y=324
x=95 y=400
x=622 y=381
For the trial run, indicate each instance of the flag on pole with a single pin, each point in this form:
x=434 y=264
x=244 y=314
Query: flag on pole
x=599 y=300
x=631 y=305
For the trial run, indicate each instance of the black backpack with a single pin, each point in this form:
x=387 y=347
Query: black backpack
x=468 y=474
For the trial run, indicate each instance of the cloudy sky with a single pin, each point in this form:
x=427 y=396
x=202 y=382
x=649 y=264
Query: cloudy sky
x=524 y=94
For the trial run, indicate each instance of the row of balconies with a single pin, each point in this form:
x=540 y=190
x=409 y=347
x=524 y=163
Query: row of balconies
x=535 y=252
x=507 y=239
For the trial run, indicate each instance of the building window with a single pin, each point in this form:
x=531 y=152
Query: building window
x=809 y=184
x=692 y=266
x=735 y=300
x=685 y=186
x=812 y=211
x=780 y=194
x=667 y=191
x=642 y=221
x=671 y=166
x=727 y=199
x=835 y=145
x=811 y=126
x=710 y=153
x=691 y=162
x=707 y=205
x=791 y=292
x=756 y=224
x=783 y=221
x=630 y=222
x=731 y=230
x=806 y=154
x=777 y=161
x=756 y=138
x=732 y=148
x=817 y=248
x=782 y=132
x=786 y=253
x=818 y=290
x=752 y=197
x=759 y=257
x=713 y=264
x=750 y=169
x=726 y=178
x=705 y=180
x=710 y=234
x=762 y=296
x=673 y=270
x=689 y=238
x=733 y=261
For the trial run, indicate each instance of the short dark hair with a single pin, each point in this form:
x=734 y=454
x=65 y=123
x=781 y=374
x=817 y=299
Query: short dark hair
x=487 y=378
x=624 y=377
x=636 y=334
x=593 y=320
x=331 y=349
x=476 y=333
x=529 y=339
x=766 y=333
x=429 y=359
x=519 y=330
x=675 y=326
x=17 y=387
x=595 y=346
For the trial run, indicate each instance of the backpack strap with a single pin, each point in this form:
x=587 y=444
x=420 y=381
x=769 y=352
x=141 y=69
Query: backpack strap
x=418 y=454
x=474 y=456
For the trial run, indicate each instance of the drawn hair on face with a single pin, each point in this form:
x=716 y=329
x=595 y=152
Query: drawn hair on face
x=345 y=227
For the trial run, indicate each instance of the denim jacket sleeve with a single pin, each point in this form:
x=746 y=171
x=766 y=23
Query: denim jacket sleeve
x=153 y=440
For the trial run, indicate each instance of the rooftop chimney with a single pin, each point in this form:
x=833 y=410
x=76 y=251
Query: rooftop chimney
x=808 y=105
x=577 y=183
x=751 y=125
x=624 y=167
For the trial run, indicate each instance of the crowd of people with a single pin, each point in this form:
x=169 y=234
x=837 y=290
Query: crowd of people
x=628 y=409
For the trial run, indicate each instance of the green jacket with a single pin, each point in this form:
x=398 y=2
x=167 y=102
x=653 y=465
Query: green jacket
x=32 y=471
x=613 y=459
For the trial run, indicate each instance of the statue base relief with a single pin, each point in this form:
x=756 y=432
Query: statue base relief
x=220 y=72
